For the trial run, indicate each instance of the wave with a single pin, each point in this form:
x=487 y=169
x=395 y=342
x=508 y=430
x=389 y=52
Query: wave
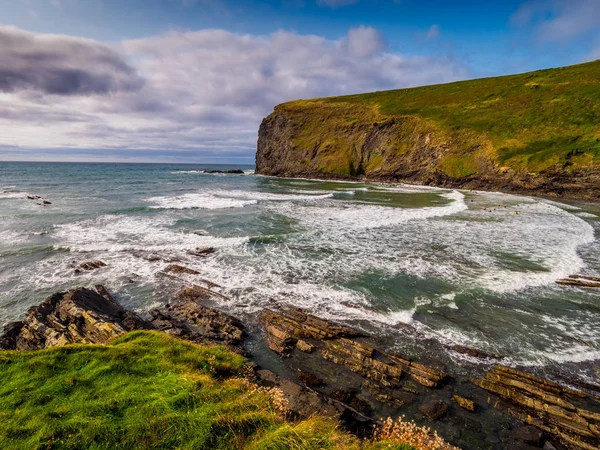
x=199 y=201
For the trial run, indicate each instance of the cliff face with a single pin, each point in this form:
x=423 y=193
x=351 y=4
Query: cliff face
x=494 y=134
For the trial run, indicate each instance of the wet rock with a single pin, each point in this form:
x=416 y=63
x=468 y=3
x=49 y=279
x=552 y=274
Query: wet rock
x=434 y=409
x=528 y=434
x=469 y=351
x=77 y=316
x=546 y=405
x=46 y=202
x=580 y=280
x=553 y=446
x=92 y=265
x=465 y=403
x=176 y=268
x=304 y=346
x=308 y=378
x=202 y=252
x=187 y=318
x=234 y=171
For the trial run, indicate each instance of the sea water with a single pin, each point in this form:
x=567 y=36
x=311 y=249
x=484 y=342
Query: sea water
x=463 y=268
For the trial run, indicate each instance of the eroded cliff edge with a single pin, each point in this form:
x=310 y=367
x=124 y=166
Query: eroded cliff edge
x=535 y=133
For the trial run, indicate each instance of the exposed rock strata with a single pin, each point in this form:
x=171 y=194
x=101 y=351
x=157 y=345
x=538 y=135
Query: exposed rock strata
x=544 y=404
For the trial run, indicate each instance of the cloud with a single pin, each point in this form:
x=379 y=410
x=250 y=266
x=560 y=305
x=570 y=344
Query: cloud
x=336 y=3
x=433 y=32
x=61 y=65
x=203 y=92
x=559 y=20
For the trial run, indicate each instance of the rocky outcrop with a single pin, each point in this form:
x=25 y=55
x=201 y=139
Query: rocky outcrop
x=187 y=318
x=339 y=140
x=580 y=280
x=87 y=316
x=545 y=405
x=77 y=316
x=294 y=328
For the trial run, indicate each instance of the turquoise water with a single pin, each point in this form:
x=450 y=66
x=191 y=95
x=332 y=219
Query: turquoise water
x=468 y=268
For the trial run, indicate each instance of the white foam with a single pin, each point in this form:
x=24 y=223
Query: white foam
x=198 y=200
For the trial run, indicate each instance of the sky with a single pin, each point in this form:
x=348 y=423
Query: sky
x=190 y=80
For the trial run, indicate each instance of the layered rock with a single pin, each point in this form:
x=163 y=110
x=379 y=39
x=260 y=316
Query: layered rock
x=77 y=316
x=580 y=280
x=295 y=328
x=546 y=405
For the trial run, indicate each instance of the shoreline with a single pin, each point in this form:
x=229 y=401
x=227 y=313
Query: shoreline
x=321 y=365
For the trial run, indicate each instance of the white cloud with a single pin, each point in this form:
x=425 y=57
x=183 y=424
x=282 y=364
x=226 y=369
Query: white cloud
x=558 y=20
x=205 y=91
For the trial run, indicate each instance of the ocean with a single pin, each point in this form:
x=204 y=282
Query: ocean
x=459 y=268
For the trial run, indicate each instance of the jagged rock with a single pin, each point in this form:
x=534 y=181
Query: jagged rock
x=77 y=316
x=92 y=265
x=181 y=269
x=434 y=409
x=465 y=403
x=528 y=434
x=202 y=252
x=186 y=317
x=304 y=346
x=545 y=405
x=352 y=399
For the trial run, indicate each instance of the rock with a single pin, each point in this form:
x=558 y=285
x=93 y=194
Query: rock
x=10 y=333
x=352 y=399
x=34 y=197
x=303 y=402
x=234 y=171
x=528 y=434
x=580 y=280
x=545 y=405
x=553 y=446
x=176 y=268
x=294 y=328
x=472 y=352
x=465 y=403
x=304 y=346
x=46 y=202
x=309 y=379
x=77 y=316
x=92 y=265
x=187 y=318
x=202 y=252
x=434 y=409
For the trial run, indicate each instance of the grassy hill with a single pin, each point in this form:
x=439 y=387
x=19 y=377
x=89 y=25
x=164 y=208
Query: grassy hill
x=538 y=131
x=147 y=390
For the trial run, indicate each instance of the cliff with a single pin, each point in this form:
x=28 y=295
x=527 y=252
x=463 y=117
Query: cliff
x=536 y=133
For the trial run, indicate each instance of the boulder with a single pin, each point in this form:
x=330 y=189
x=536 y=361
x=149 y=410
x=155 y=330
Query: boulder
x=176 y=268
x=202 y=252
x=465 y=403
x=434 y=409
x=92 y=265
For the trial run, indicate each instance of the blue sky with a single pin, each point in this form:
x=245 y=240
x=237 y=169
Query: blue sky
x=190 y=80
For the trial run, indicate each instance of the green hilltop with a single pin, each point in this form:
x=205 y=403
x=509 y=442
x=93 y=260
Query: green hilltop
x=542 y=128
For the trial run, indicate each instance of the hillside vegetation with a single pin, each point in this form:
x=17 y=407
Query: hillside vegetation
x=537 y=131
x=148 y=390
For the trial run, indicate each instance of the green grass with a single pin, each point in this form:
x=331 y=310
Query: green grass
x=146 y=390
x=531 y=122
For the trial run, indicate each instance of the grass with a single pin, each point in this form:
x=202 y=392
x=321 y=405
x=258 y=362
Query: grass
x=147 y=390
x=531 y=122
